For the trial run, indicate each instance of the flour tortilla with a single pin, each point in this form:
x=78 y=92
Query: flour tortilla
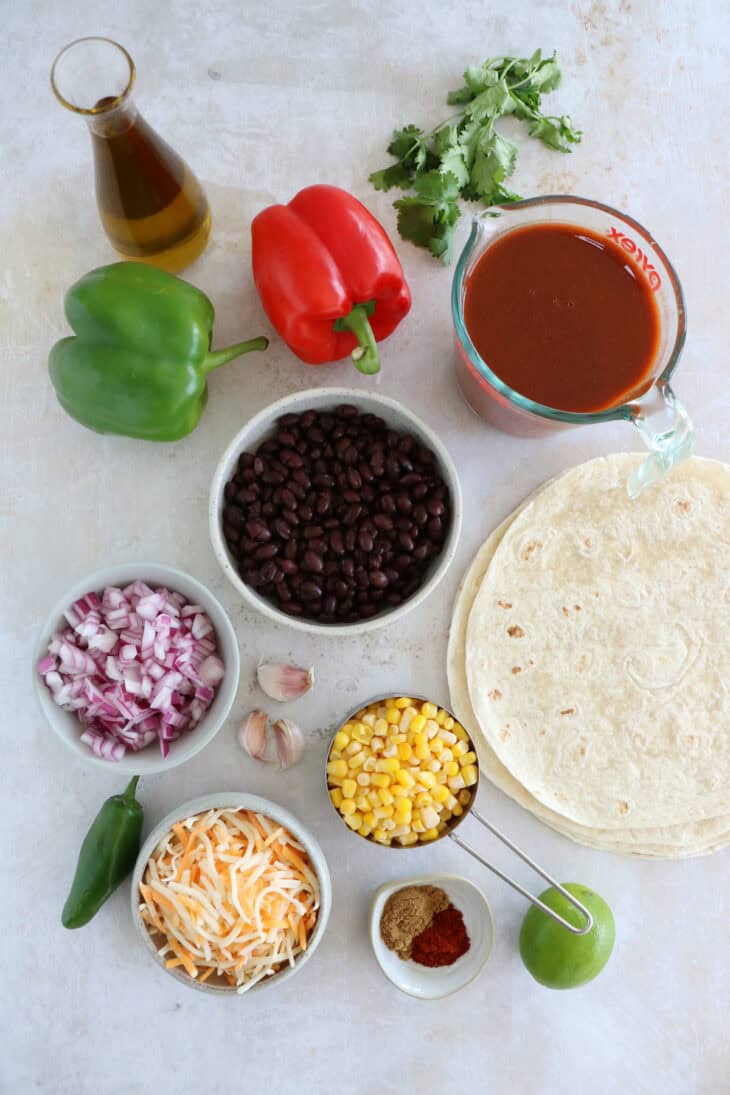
x=596 y=650
x=670 y=841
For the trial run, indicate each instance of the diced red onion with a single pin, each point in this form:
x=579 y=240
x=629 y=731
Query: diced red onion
x=136 y=665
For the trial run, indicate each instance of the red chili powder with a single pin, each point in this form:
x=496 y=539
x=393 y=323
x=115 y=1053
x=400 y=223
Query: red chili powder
x=443 y=941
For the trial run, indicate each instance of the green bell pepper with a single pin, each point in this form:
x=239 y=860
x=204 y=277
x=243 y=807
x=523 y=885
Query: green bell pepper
x=108 y=854
x=141 y=355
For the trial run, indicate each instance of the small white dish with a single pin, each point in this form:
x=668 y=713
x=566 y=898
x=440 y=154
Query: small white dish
x=261 y=427
x=237 y=800
x=149 y=760
x=421 y=981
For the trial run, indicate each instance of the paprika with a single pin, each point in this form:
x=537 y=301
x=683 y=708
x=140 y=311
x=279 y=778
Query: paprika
x=443 y=941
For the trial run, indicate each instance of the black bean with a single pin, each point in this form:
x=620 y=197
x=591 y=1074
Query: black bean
x=268 y=509
x=420 y=514
x=350 y=539
x=234 y=515
x=351 y=514
x=266 y=551
x=257 y=530
x=436 y=528
x=282 y=591
x=230 y=490
x=301 y=478
x=305 y=511
x=347 y=566
x=323 y=503
x=312 y=562
x=288 y=499
x=403 y=503
x=310 y=591
x=290 y=551
x=365 y=541
x=336 y=542
x=291 y=517
x=383 y=522
x=322 y=480
x=258 y=465
x=378 y=579
x=435 y=506
x=387 y=503
x=298 y=490
x=293 y=608
x=291 y=459
x=281 y=528
x=421 y=552
x=352 y=497
x=312 y=531
x=245 y=460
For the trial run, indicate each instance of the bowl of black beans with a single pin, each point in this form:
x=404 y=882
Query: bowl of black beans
x=335 y=511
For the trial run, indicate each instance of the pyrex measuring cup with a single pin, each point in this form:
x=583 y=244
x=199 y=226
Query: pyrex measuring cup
x=455 y=822
x=655 y=410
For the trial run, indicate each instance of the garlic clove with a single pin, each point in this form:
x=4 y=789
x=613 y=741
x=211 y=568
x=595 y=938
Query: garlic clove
x=290 y=742
x=253 y=737
x=284 y=682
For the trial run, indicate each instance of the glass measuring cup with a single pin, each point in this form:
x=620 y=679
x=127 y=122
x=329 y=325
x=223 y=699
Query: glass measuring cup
x=654 y=410
x=455 y=822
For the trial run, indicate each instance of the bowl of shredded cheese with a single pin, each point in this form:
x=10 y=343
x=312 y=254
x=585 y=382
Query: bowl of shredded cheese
x=231 y=893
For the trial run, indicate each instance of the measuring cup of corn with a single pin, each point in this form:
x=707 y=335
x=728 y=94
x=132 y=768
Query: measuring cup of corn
x=402 y=772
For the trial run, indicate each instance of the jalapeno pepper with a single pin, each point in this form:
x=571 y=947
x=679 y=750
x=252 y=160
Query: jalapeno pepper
x=107 y=856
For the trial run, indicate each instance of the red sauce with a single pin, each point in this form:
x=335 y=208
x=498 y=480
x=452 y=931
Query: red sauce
x=562 y=317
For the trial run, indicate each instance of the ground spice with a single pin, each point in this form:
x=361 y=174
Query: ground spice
x=445 y=940
x=407 y=913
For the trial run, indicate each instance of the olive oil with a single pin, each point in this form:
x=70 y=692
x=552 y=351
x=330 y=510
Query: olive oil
x=151 y=205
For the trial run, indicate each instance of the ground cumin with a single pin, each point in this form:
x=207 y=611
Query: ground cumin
x=407 y=913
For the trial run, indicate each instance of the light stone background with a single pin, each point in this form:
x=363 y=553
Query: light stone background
x=264 y=98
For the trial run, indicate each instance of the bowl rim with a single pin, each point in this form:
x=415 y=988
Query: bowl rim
x=110 y=575
x=432 y=879
x=240 y=800
x=266 y=416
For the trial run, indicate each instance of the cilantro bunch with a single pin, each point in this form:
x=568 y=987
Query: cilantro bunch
x=465 y=156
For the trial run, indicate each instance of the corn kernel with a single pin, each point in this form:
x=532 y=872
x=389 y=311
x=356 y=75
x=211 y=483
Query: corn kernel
x=433 y=766
x=448 y=737
x=349 y=788
x=397 y=738
x=451 y=801
x=336 y=796
x=369 y=764
x=417 y=724
x=403 y=811
x=428 y=779
x=402 y=703
x=429 y=817
x=456 y=783
x=385 y=796
x=405 y=778
x=408 y=839
x=363 y=779
x=405 y=720
x=383 y=811
x=337 y=768
x=376 y=744
x=437 y=745
x=399 y=791
x=392 y=714
x=423 y=752
x=368 y=720
x=341 y=740
x=373 y=799
x=469 y=774
x=440 y=793
x=461 y=749
x=380 y=779
x=464 y=797
x=334 y=781
x=404 y=750
x=390 y=751
x=460 y=731
x=363 y=803
x=419 y=738
x=381 y=836
x=423 y=798
x=387 y=825
x=446 y=755
x=430 y=710
x=399 y=830
x=354 y=820
x=358 y=760
x=418 y=826
x=442 y=716
x=381 y=727
x=430 y=834
x=387 y=764
x=448 y=723
x=451 y=768
x=353 y=747
x=365 y=830
x=369 y=819
x=432 y=729
x=347 y=806
x=458 y=810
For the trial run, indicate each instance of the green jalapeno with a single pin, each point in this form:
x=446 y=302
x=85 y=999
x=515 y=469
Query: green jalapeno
x=107 y=856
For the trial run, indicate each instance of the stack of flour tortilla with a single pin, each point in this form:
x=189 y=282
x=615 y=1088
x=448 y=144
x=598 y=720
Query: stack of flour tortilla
x=589 y=657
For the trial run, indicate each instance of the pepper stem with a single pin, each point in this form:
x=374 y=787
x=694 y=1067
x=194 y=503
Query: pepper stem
x=215 y=358
x=131 y=791
x=365 y=355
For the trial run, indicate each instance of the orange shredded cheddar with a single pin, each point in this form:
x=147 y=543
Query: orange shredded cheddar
x=229 y=893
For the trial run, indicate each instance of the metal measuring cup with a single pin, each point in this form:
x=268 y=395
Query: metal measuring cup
x=455 y=822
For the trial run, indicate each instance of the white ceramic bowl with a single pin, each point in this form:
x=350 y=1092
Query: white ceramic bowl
x=421 y=981
x=148 y=760
x=262 y=426
x=238 y=800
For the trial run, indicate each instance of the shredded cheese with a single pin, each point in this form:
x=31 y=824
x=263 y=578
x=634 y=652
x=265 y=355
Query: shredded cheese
x=229 y=893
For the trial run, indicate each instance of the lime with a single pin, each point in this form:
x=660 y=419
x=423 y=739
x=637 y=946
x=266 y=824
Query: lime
x=553 y=955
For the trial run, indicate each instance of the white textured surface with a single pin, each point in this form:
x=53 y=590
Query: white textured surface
x=263 y=99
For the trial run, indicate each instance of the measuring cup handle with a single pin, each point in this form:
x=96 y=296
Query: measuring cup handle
x=667 y=431
x=574 y=928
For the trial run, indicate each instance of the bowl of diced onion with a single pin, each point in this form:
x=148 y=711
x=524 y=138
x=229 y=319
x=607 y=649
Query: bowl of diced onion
x=231 y=894
x=136 y=668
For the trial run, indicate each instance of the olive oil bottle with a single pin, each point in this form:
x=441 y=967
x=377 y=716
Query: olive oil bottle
x=151 y=205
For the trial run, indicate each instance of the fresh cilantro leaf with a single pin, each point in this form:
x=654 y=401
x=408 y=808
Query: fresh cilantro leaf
x=404 y=140
x=395 y=175
x=466 y=156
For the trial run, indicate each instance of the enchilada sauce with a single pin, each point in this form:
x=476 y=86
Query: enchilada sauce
x=562 y=316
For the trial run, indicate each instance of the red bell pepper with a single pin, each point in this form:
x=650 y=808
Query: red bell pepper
x=328 y=277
